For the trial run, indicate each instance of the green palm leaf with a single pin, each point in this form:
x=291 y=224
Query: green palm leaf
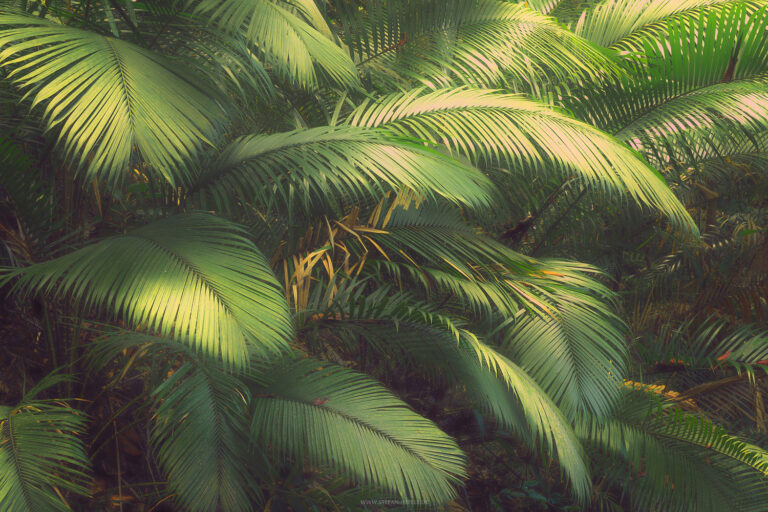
x=339 y=419
x=578 y=356
x=299 y=51
x=606 y=22
x=322 y=167
x=442 y=346
x=492 y=129
x=194 y=278
x=109 y=101
x=40 y=452
x=439 y=43
x=700 y=93
x=677 y=462
x=200 y=438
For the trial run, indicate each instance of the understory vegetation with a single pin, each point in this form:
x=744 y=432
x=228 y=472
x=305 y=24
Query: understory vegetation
x=321 y=255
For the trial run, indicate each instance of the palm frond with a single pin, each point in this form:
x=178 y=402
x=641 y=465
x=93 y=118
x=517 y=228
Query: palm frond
x=298 y=50
x=342 y=420
x=493 y=128
x=40 y=453
x=330 y=166
x=394 y=324
x=578 y=356
x=606 y=22
x=440 y=43
x=679 y=111
x=201 y=442
x=194 y=278
x=106 y=97
x=678 y=462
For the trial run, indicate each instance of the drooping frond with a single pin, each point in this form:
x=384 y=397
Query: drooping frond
x=608 y=21
x=481 y=42
x=110 y=102
x=344 y=421
x=194 y=278
x=677 y=462
x=298 y=50
x=493 y=128
x=394 y=325
x=699 y=93
x=40 y=453
x=320 y=168
x=718 y=120
x=578 y=356
x=201 y=442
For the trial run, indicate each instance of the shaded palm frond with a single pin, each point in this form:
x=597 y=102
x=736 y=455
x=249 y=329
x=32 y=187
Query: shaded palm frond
x=201 y=442
x=676 y=461
x=40 y=452
x=344 y=421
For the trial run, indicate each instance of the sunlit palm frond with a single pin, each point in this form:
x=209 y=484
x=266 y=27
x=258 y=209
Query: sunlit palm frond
x=194 y=278
x=700 y=91
x=323 y=168
x=299 y=51
x=606 y=22
x=578 y=356
x=439 y=43
x=109 y=102
x=543 y=6
x=733 y=18
x=342 y=420
x=492 y=128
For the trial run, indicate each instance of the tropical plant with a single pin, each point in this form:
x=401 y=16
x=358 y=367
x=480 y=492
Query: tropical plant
x=218 y=216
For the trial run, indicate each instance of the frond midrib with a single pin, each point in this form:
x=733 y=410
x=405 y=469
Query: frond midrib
x=352 y=419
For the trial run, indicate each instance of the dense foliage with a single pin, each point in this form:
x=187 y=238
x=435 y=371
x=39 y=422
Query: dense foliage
x=377 y=255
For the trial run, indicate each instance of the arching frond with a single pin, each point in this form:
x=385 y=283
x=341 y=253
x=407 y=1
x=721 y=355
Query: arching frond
x=201 y=442
x=681 y=110
x=440 y=42
x=342 y=420
x=729 y=16
x=578 y=356
x=397 y=326
x=194 y=278
x=608 y=21
x=40 y=452
x=678 y=462
x=543 y=6
x=492 y=128
x=320 y=168
x=299 y=51
x=110 y=102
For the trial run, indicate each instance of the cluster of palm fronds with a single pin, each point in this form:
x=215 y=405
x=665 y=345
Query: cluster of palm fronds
x=301 y=255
